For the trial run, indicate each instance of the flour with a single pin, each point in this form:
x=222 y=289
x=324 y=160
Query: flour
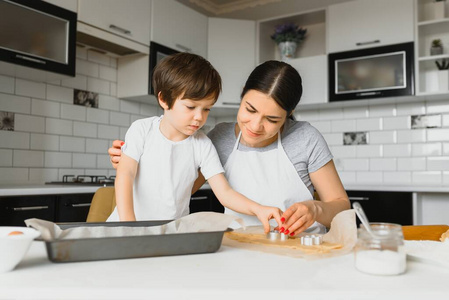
x=380 y=262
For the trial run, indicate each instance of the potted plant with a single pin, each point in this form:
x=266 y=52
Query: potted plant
x=439 y=9
x=288 y=36
x=443 y=74
x=436 y=48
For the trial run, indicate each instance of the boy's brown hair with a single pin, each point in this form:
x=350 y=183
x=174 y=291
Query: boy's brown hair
x=187 y=75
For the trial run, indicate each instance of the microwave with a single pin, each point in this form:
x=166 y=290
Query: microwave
x=386 y=71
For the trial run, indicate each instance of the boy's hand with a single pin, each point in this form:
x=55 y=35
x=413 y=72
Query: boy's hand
x=266 y=213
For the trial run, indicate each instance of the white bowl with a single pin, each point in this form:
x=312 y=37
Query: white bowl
x=14 y=247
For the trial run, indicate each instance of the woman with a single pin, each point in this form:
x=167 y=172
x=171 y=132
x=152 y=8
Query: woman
x=270 y=158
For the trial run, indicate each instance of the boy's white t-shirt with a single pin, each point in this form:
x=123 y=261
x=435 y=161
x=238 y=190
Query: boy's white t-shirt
x=167 y=170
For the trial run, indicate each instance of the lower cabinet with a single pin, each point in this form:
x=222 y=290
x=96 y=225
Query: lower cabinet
x=73 y=208
x=205 y=200
x=389 y=207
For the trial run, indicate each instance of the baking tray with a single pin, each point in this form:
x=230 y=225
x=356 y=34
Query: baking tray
x=92 y=249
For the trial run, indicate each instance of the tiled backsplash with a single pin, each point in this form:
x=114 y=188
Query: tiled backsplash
x=395 y=154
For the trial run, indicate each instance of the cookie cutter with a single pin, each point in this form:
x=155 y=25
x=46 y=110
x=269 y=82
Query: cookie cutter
x=311 y=239
x=277 y=236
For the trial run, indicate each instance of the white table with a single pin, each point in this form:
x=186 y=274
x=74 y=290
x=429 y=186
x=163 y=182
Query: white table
x=229 y=273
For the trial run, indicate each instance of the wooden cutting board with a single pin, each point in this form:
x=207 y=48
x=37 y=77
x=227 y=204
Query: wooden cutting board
x=424 y=232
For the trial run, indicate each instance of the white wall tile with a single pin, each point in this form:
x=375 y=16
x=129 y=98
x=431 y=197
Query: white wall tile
x=382 y=137
x=411 y=136
x=412 y=164
x=85 y=68
x=97 y=146
x=7 y=84
x=108 y=73
x=58 y=126
x=355 y=112
x=79 y=82
x=45 y=108
x=438 y=163
x=75 y=172
x=14 y=140
x=96 y=115
x=401 y=150
x=30 y=88
x=108 y=102
x=81 y=52
x=98 y=86
x=13 y=175
x=98 y=57
x=396 y=123
x=434 y=107
x=39 y=175
x=58 y=160
x=331 y=114
x=445 y=148
x=26 y=158
x=369 y=124
x=368 y=150
x=103 y=162
x=5 y=158
x=120 y=119
x=72 y=144
x=134 y=118
x=73 y=112
x=446 y=120
x=344 y=151
x=388 y=110
x=108 y=132
x=406 y=109
x=446 y=178
x=397 y=178
x=112 y=172
x=355 y=164
x=113 y=89
x=343 y=126
x=85 y=129
x=129 y=107
x=369 y=177
x=29 y=123
x=333 y=138
x=322 y=126
x=427 y=149
x=60 y=94
x=347 y=177
x=429 y=178
x=150 y=110
x=123 y=131
x=44 y=142
x=437 y=135
x=382 y=164
x=82 y=160
x=14 y=103
x=96 y=171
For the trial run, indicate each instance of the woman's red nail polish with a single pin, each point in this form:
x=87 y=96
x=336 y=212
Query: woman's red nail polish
x=282 y=219
x=287 y=231
x=282 y=229
x=122 y=143
x=292 y=234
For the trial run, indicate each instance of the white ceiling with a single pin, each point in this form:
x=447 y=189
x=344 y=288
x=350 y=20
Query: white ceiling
x=255 y=9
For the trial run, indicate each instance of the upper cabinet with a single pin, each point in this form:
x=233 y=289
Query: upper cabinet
x=231 y=50
x=366 y=23
x=179 y=27
x=67 y=4
x=126 y=18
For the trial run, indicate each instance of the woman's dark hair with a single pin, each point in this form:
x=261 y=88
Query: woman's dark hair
x=278 y=80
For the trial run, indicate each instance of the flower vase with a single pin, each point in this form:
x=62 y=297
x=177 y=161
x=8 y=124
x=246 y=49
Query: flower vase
x=439 y=12
x=287 y=50
x=443 y=80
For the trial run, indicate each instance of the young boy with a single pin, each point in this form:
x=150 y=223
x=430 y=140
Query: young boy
x=162 y=155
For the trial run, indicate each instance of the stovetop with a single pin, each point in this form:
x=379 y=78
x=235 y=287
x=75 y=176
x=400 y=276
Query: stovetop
x=99 y=180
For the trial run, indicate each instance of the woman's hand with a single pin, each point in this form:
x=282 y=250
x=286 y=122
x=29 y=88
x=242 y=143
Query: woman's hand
x=266 y=213
x=115 y=152
x=298 y=217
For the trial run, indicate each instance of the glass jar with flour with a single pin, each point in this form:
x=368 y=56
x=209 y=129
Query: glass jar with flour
x=382 y=251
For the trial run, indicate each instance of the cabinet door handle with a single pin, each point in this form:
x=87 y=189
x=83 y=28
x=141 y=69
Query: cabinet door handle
x=359 y=198
x=199 y=198
x=186 y=49
x=231 y=103
x=120 y=29
x=80 y=204
x=43 y=62
x=367 y=43
x=29 y=208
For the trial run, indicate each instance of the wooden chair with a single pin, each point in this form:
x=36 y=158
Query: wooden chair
x=103 y=203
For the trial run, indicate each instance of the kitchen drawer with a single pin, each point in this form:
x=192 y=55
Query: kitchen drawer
x=73 y=208
x=390 y=207
x=205 y=200
x=14 y=210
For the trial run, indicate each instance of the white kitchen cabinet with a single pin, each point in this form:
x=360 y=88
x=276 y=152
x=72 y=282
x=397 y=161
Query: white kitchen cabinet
x=67 y=4
x=367 y=23
x=313 y=71
x=432 y=209
x=130 y=19
x=179 y=27
x=231 y=50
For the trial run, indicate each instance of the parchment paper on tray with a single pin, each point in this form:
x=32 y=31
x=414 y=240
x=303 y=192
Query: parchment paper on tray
x=340 y=240
x=197 y=222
